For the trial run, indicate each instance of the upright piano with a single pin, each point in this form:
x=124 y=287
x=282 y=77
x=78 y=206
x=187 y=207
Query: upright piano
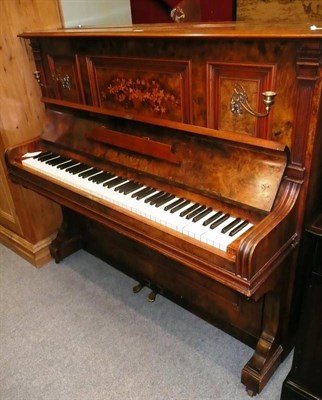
x=162 y=172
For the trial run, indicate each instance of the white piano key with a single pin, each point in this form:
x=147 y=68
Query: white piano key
x=220 y=240
x=196 y=230
x=226 y=239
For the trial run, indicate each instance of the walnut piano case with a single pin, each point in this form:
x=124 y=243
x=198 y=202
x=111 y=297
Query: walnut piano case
x=155 y=106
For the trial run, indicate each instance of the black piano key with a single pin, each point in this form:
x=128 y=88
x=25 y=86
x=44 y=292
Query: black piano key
x=52 y=159
x=202 y=214
x=108 y=177
x=164 y=199
x=89 y=172
x=179 y=206
x=143 y=193
x=164 y=194
x=153 y=197
x=174 y=204
x=231 y=225
x=155 y=200
x=188 y=210
x=67 y=164
x=56 y=161
x=42 y=154
x=219 y=221
x=47 y=157
x=104 y=176
x=130 y=189
x=238 y=228
x=195 y=212
x=97 y=177
x=125 y=186
x=212 y=218
x=116 y=181
x=76 y=169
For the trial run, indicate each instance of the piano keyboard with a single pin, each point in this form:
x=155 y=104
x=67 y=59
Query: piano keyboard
x=207 y=225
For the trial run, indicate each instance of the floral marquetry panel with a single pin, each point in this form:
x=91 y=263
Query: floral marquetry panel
x=146 y=87
x=221 y=81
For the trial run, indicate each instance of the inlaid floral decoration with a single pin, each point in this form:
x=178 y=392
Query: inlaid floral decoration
x=138 y=92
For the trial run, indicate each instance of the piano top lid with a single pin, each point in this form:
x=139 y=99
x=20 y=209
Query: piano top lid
x=222 y=30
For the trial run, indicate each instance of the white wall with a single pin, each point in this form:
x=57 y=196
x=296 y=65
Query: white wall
x=95 y=12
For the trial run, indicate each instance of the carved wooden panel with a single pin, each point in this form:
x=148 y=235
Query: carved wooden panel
x=65 y=78
x=148 y=87
x=221 y=80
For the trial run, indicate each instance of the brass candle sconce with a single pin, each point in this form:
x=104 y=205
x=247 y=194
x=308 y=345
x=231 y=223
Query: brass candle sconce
x=239 y=102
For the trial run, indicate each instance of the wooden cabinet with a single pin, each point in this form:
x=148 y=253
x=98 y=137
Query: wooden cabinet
x=27 y=220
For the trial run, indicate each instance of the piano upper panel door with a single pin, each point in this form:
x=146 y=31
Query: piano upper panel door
x=64 y=78
x=255 y=79
x=150 y=88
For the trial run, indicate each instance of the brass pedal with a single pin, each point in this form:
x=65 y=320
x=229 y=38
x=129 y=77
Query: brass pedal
x=151 y=297
x=137 y=288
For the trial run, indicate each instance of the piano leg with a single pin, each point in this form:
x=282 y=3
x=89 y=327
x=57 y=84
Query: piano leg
x=68 y=239
x=267 y=355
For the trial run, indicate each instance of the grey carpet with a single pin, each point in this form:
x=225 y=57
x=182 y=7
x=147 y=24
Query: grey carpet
x=75 y=331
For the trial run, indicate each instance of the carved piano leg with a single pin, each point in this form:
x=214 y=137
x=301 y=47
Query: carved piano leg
x=68 y=239
x=267 y=355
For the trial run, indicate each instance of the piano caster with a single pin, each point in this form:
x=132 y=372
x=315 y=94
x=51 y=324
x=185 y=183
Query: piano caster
x=137 y=288
x=250 y=392
x=151 y=297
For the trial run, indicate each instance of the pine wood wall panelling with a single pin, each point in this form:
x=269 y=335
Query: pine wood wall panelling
x=21 y=109
x=25 y=216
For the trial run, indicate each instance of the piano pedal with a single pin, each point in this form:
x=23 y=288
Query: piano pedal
x=137 y=288
x=151 y=297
